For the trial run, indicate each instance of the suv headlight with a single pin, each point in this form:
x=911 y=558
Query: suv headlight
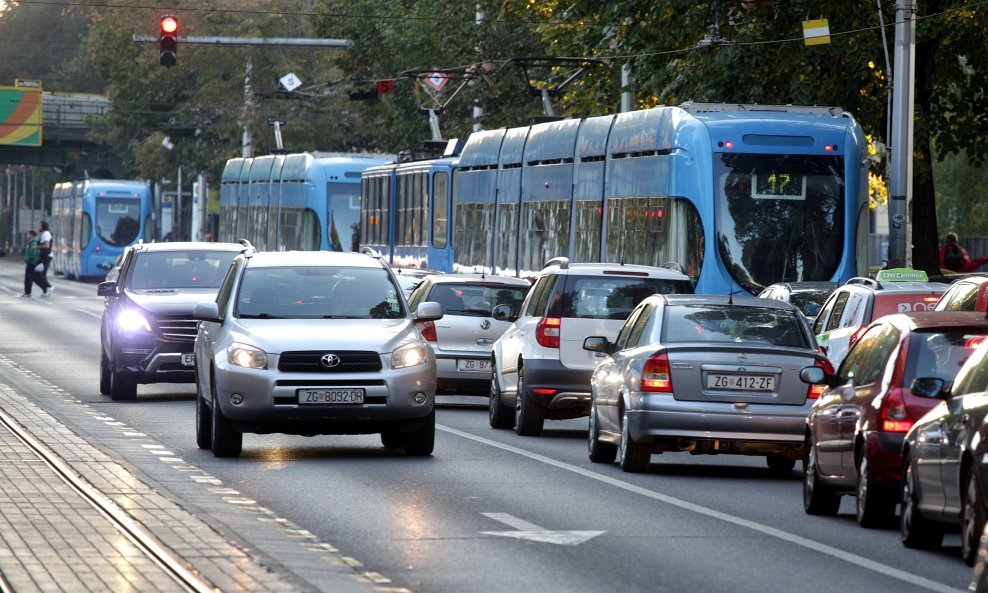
x=409 y=355
x=243 y=355
x=132 y=321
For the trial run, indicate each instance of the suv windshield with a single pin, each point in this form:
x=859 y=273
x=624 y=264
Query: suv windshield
x=318 y=292
x=179 y=269
x=611 y=297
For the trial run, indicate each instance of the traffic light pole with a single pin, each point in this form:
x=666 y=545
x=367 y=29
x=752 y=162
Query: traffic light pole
x=901 y=170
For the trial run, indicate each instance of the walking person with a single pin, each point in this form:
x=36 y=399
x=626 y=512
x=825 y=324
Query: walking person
x=44 y=246
x=955 y=258
x=33 y=268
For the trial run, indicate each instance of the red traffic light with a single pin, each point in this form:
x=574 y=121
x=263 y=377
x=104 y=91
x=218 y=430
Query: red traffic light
x=169 y=25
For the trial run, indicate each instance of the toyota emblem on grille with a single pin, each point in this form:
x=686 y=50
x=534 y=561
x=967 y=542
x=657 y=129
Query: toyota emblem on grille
x=330 y=360
x=485 y=324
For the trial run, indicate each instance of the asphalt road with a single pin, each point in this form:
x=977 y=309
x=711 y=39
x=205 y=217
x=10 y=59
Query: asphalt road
x=489 y=512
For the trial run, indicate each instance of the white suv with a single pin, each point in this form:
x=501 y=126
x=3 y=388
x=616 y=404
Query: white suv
x=539 y=369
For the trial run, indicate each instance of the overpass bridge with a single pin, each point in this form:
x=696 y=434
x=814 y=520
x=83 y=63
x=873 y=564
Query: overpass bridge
x=66 y=121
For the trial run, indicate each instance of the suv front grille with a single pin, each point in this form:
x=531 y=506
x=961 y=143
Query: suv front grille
x=179 y=329
x=355 y=361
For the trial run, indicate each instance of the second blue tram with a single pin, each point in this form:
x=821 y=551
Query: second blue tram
x=304 y=201
x=740 y=196
x=93 y=220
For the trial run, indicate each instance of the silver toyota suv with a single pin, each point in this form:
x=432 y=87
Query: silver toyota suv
x=313 y=343
x=540 y=370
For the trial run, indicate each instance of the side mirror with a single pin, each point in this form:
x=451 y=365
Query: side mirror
x=207 y=312
x=428 y=311
x=503 y=313
x=598 y=344
x=105 y=289
x=928 y=387
x=815 y=375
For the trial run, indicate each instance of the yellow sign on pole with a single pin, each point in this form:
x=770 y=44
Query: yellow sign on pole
x=816 y=32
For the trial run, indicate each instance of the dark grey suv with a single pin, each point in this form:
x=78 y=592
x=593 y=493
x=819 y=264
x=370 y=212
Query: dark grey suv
x=147 y=331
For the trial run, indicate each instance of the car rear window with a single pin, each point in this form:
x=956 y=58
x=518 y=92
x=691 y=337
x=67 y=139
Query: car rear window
x=887 y=303
x=611 y=297
x=939 y=354
x=809 y=301
x=731 y=323
x=475 y=298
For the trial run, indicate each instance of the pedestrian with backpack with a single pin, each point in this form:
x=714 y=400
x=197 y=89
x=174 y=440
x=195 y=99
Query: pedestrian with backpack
x=955 y=258
x=34 y=269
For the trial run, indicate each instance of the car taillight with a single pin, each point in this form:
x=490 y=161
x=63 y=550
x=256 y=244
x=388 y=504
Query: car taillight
x=655 y=374
x=547 y=332
x=972 y=343
x=894 y=415
x=815 y=391
x=856 y=335
x=428 y=331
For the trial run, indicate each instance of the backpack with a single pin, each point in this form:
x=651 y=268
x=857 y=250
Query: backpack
x=953 y=259
x=32 y=255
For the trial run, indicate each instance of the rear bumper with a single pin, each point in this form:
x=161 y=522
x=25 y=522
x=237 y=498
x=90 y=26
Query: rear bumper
x=453 y=381
x=570 y=396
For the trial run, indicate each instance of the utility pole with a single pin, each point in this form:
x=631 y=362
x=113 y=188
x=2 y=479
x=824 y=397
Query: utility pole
x=901 y=170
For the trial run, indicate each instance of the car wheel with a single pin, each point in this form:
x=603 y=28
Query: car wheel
x=204 y=423
x=634 y=457
x=529 y=417
x=121 y=389
x=915 y=530
x=972 y=518
x=597 y=451
x=105 y=380
x=779 y=464
x=818 y=498
x=227 y=441
x=874 y=507
x=500 y=414
x=421 y=442
x=392 y=439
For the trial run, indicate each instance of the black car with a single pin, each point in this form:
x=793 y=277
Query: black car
x=147 y=331
x=944 y=479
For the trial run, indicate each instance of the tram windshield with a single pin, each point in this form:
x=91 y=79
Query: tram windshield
x=779 y=218
x=118 y=220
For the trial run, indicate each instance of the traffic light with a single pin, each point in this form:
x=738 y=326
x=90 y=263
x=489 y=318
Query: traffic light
x=168 y=41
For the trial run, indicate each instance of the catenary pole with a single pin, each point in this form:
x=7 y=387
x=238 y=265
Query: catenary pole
x=901 y=170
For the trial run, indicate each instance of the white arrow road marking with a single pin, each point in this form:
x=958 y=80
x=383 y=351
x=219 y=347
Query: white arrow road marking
x=532 y=532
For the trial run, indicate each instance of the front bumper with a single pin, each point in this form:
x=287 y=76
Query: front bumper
x=155 y=363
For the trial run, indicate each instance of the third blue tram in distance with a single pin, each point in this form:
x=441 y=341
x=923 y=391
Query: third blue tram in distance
x=405 y=208
x=740 y=196
x=305 y=201
x=93 y=220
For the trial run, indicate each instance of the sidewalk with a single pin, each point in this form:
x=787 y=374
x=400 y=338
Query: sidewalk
x=53 y=538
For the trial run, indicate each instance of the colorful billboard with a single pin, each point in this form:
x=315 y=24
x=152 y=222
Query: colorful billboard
x=20 y=115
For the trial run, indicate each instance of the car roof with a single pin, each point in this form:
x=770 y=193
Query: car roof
x=904 y=286
x=719 y=299
x=806 y=285
x=921 y=320
x=476 y=278
x=562 y=265
x=314 y=258
x=188 y=245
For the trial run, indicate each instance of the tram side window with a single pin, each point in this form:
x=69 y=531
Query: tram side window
x=545 y=226
x=472 y=231
x=440 y=212
x=654 y=230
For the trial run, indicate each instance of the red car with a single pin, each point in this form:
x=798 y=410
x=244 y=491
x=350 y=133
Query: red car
x=967 y=294
x=855 y=430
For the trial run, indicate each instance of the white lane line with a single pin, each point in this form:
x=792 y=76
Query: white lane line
x=821 y=548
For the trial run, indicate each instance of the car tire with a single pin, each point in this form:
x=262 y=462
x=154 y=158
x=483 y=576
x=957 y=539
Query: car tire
x=780 y=465
x=500 y=414
x=597 y=451
x=874 y=507
x=529 y=418
x=204 y=421
x=392 y=439
x=105 y=378
x=972 y=518
x=818 y=497
x=121 y=389
x=634 y=457
x=422 y=441
x=227 y=441
x=915 y=530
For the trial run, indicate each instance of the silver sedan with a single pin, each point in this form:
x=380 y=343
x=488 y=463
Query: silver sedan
x=703 y=374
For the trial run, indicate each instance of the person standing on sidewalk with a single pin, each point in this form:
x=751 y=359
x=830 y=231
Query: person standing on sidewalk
x=33 y=268
x=44 y=245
